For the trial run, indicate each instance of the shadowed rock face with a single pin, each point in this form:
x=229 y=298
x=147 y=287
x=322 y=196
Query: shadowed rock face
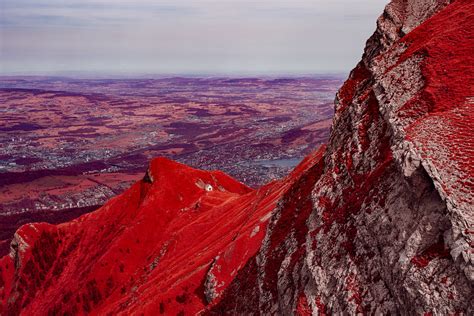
x=379 y=221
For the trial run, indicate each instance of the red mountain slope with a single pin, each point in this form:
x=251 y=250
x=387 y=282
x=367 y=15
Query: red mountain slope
x=109 y=260
x=378 y=222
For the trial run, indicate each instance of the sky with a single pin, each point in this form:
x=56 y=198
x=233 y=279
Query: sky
x=235 y=37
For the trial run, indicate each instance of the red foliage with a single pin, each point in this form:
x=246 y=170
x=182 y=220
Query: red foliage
x=321 y=307
x=437 y=250
x=168 y=245
x=155 y=243
x=443 y=111
x=302 y=307
x=349 y=89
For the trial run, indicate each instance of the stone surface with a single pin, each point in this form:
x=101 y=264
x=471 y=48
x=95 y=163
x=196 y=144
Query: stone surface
x=379 y=221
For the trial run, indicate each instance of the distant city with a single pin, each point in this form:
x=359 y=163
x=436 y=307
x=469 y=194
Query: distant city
x=69 y=145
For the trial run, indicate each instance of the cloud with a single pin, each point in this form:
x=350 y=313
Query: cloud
x=75 y=12
x=185 y=35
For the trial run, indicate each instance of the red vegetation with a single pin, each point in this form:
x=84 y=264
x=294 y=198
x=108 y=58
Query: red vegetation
x=444 y=108
x=303 y=309
x=349 y=89
x=196 y=234
x=437 y=250
x=331 y=237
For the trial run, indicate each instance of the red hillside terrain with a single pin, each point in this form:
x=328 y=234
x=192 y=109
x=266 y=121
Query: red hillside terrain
x=188 y=220
x=378 y=221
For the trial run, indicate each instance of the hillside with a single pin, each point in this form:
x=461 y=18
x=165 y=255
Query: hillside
x=378 y=221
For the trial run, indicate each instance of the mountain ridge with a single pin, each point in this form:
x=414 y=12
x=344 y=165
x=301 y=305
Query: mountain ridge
x=378 y=221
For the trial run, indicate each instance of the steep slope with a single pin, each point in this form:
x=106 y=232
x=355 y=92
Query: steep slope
x=392 y=220
x=159 y=247
x=379 y=221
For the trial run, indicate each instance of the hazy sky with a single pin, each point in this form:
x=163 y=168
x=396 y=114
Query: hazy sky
x=184 y=36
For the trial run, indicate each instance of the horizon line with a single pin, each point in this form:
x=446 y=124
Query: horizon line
x=132 y=75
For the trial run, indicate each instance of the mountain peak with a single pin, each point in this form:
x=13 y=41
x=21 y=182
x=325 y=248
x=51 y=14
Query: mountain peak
x=379 y=221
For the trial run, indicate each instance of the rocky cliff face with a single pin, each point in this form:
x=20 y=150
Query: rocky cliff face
x=379 y=221
x=390 y=227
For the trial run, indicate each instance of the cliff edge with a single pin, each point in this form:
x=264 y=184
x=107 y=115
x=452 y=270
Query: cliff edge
x=379 y=221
